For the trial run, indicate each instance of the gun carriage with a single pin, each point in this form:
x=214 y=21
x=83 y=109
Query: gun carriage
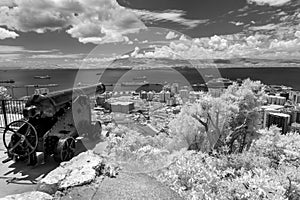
x=51 y=124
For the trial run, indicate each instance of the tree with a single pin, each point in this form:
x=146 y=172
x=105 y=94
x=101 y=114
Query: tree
x=249 y=97
x=213 y=113
x=229 y=120
x=204 y=122
x=4 y=94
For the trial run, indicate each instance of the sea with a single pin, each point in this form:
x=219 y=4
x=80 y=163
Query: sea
x=69 y=78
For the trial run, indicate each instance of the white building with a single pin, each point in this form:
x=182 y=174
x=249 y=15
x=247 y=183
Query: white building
x=167 y=95
x=122 y=107
x=150 y=96
x=294 y=96
x=269 y=109
x=184 y=94
x=171 y=101
x=275 y=99
x=162 y=96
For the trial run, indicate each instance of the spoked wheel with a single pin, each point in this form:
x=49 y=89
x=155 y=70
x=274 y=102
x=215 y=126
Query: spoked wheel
x=23 y=141
x=65 y=149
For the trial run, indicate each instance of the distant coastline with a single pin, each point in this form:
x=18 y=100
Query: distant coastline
x=66 y=78
x=159 y=68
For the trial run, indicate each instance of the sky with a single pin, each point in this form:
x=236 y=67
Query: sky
x=66 y=33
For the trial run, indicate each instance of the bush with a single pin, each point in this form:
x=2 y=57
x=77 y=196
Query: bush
x=138 y=153
x=269 y=170
x=4 y=94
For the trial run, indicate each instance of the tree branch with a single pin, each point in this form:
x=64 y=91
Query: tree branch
x=201 y=122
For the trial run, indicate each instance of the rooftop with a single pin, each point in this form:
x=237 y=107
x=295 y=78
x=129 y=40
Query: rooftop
x=122 y=103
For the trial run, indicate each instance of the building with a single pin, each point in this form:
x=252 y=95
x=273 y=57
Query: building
x=150 y=96
x=294 y=96
x=275 y=99
x=171 y=101
x=281 y=120
x=275 y=89
x=42 y=91
x=175 y=88
x=184 y=94
x=162 y=96
x=295 y=127
x=167 y=96
x=122 y=107
x=143 y=95
x=217 y=86
x=265 y=110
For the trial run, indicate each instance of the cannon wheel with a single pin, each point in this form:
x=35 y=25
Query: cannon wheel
x=65 y=149
x=21 y=144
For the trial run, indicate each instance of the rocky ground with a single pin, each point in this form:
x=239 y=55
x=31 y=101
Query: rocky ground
x=89 y=176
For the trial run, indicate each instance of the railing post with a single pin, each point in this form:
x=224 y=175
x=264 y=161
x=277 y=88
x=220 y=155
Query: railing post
x=4 y=111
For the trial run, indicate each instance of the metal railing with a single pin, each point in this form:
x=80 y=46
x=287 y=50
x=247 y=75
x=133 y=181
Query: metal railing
x=11 y=110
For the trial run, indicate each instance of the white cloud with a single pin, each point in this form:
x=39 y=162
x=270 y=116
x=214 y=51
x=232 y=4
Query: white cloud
x=10 y=49
x=168 y=15
x=9 y=57
x=183 y=38
x=171 y=35
x=264 y=27
x=227 y=47
x=7 y=34
x=5 y=49
x=285 y=45
x=83 y=19
x=269 y=2
x=9 y=3
x=103 y=59
x=297 y=34
x=55 y=56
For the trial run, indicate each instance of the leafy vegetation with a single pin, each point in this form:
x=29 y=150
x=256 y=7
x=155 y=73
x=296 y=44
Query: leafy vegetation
x=269 y=170
x=216 y=150
x=4 y=94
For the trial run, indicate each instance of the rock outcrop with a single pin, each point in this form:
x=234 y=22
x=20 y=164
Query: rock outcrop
x=29 y=196
x=89 y=176
x=79 y=171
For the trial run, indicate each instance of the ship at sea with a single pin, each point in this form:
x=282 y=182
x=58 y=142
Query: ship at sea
x=42 y=77
x=134 y=83
x=140 y=78
x=7 y=81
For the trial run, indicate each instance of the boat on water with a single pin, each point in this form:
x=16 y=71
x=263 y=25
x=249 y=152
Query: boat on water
x=42 y=77
x=7 y=81
x=140 y=78
x=99 y=73
x=134 y=83
x=39 y=86
x=209 y=76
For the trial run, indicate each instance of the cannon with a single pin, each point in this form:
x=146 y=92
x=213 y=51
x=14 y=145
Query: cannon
x=51 y=123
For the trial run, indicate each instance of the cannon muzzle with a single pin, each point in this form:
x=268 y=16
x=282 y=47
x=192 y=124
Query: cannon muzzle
x=52 y=102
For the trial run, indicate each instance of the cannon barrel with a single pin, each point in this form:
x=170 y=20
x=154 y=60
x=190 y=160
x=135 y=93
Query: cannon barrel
x=64 y=96
x=54 y=101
